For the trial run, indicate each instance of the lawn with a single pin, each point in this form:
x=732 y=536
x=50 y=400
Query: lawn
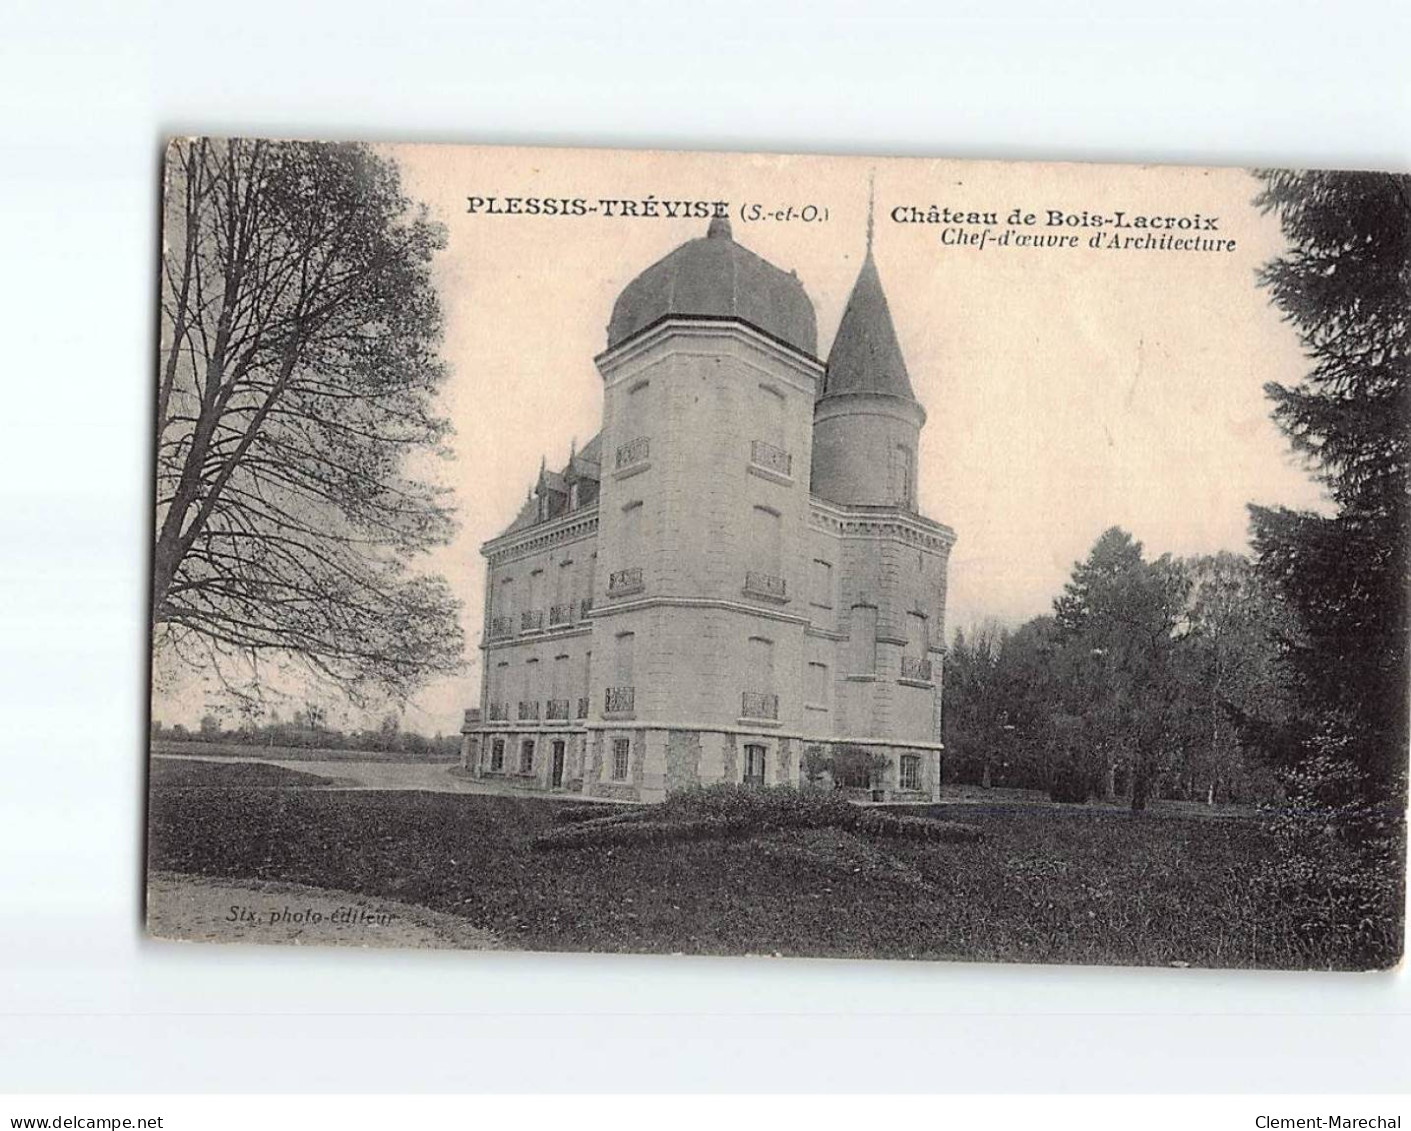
x=1047 y=884
x=288 y=753
x=171 y=773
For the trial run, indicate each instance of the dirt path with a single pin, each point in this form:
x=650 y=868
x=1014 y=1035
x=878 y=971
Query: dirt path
x=187 y=908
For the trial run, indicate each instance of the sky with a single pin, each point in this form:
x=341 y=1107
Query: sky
x=1067 y=389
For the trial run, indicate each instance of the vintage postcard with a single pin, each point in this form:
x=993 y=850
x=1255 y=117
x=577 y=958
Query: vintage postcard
x=740 y=554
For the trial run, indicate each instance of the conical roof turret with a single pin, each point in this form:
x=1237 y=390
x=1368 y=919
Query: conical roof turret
x=866 y=356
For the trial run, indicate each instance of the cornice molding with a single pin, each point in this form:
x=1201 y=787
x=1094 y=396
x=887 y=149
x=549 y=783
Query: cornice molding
x=879 y=523
x=703 y=337
x=571 y=527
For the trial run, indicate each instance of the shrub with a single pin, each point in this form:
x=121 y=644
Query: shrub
x=856 y=767
x=602 y=834
x=1069 y=785
x=721 y=811
x=1337 y=874
x=568 y=814
x=917 y=828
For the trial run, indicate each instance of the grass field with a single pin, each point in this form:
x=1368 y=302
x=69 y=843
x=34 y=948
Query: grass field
x=288 y=753
x=1055 y=884
x=172 y=774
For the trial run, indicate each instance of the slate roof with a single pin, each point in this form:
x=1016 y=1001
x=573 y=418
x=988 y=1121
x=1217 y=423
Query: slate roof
x=714 y=277
x=866 y=357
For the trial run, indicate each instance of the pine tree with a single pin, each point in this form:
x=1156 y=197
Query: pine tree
x=1345 y=285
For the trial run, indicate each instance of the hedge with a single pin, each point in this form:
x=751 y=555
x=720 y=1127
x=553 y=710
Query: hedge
x=716 y=812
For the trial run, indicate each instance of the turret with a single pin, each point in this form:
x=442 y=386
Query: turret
x=866 y=421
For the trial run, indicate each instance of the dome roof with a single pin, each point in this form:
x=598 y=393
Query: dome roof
x=866 y=357
x=714 y=277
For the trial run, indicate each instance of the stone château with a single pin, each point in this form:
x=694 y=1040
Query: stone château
x=735 y=569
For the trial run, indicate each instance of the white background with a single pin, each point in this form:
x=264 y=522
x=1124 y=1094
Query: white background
x=88 y=92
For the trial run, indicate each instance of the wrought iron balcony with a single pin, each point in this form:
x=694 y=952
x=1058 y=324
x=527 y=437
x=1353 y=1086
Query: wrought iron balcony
x=560 y=614
x=633 y=452
x=765 y=585
x=556 y=709
x=768 y=456
x=625 y=582
x=531 y=621
x=759 y=705
x=583 y=706
x=913 y=667
x=501 y=627
x=499 y=712
x=620 y=701
x=528 y=709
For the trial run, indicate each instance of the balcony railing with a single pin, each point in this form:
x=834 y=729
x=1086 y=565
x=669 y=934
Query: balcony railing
x=560 y=614
x=633 y=452
x=766 y=585
x=582 y=706
x=499 y=712
x=501 y=627
x=625 y=582
x=620 y=701
x=759 y=705
x=768 y=456
x=531 y=621
x=556 y=709
x=913 y=667
x=528 y=709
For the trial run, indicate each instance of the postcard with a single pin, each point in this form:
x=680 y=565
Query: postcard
x=802 y=556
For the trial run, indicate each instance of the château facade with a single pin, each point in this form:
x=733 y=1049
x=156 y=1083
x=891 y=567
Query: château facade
x=734 y=570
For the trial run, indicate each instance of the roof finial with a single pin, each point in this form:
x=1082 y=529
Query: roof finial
x=871 y=178
x=572 y=448
x=719 y=227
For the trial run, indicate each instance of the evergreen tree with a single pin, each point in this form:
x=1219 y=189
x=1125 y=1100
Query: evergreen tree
x=1118 y=619
x=1345 y=285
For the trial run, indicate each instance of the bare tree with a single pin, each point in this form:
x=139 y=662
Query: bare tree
x=298 y=371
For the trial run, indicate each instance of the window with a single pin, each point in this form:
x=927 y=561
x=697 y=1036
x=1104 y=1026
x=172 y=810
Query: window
x=769 y=405
x=631 y=424
x=822 y=584
x=625 y=664
x=760 y=663
x=816 y=687
x=621 y=749
x=901 y=476
x=497 y=755
x=766 y=534
x=910 y=771
x=628 y=575
x=916 y=664
x=862 y=641
x=754 y=764
x=526 y=756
